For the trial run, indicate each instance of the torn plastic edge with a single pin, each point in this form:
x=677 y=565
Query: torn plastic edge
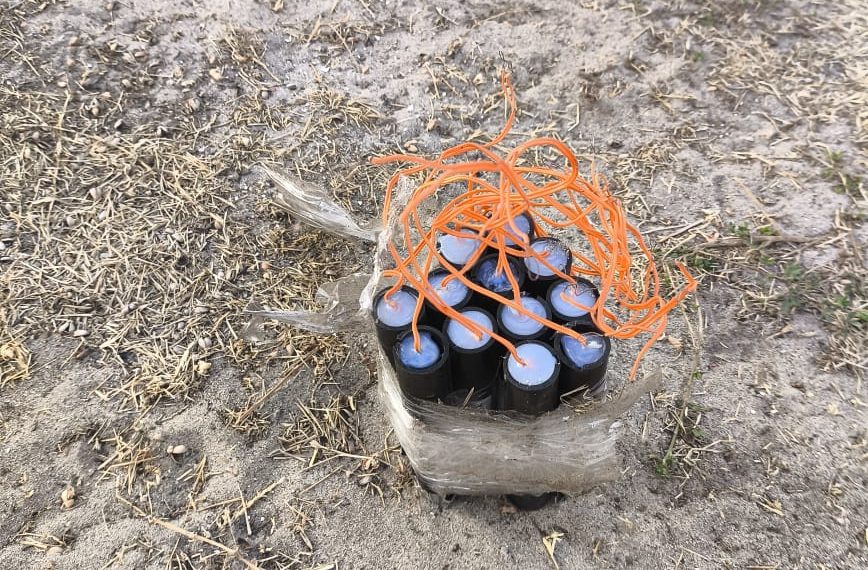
x=310 y=203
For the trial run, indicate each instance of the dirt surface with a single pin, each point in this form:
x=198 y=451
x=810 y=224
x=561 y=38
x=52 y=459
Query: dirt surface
x=139 y=430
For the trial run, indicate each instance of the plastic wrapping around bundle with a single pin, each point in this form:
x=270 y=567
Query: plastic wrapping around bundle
x=477 y=452
x=455 y=450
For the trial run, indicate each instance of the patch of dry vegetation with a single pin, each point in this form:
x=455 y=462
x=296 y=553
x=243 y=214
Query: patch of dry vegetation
x=810 y=59
x=143 y=236
x=134 y=243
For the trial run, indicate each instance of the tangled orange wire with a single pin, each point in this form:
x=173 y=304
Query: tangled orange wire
x=501 y=187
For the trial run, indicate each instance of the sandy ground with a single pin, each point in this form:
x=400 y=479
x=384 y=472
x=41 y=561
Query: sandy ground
x=135 y=228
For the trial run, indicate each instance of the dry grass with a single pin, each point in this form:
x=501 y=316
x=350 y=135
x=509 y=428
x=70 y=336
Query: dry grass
x=143 y=237
x=130 y=242
x=811 y=60
x=818 y=70
x=197 y=477
x=14 y=362
x=43 y=542
x=248 y=419
x=688 y=443
x=118 y=261
x=132 y=464
x=343 y=33
x=324 y=433
x=752 y=257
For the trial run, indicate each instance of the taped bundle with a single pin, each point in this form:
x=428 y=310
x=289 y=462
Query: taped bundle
x=460 y=450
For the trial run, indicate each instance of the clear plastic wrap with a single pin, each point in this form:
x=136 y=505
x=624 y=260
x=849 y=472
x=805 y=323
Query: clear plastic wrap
x=460 y=450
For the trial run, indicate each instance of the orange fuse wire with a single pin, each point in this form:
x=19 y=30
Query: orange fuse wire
x=496 y=189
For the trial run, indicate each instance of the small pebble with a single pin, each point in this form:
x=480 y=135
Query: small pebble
x=54 y=551
x=67 y=497
x=176 y=449
x=204 y=343
x=80 y=332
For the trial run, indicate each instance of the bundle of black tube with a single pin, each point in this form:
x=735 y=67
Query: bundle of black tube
x=462 y=365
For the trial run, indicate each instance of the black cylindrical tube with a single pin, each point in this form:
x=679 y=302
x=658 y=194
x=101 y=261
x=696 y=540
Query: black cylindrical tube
x=475 y=360
x=453 y=293
x=517 y=327
x=561 y=291
x=388 y=322
x=485 y=275
x=459 y=250
x=534 y=392
x=423 y=378
x=539 y=275
x=521 y=221
x=531 y=395
x=531 y=502
x=582 y=366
